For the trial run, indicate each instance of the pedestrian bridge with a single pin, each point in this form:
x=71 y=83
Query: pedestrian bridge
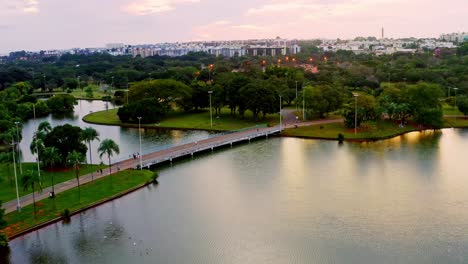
x=190 y=149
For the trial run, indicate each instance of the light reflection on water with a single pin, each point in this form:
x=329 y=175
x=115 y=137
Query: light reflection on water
x=127 y=138
x=283 y=200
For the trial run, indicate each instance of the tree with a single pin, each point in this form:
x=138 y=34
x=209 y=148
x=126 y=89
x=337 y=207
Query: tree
x=50 y=157
x=323 y=99
x=66 y=139
x=75 y=159
x=260 y=98
x=108 y=147
x=62 y=103
x=3 y=238
x=44 y=126
x=90 y=134
x=3 y=223
x=424 y=100
x=164 y=91
x=153 y=111
x=462 y=104
x=31 y=179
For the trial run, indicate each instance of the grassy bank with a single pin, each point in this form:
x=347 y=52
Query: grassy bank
x=7 y=184
x=91 y=193
x=368 y=131
x=461 y=122
x=199 y=120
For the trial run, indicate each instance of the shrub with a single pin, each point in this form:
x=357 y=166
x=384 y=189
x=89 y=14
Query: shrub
x=66 y=215
x=3 y=241
x=340 y=137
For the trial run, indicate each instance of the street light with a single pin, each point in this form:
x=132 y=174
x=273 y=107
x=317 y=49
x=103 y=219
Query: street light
x=303 y=104
x=37 y=148
x=355 y=112
x=211 y=115
x=18 y=205
x=139 y=130
x=78 y=79
x=296 y=96
x=44 y=81
x=455 y=89
x=281 y=124
x=18 y=140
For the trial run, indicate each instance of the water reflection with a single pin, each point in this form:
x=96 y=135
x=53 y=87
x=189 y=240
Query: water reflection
x=127 y=138
x=284 y=200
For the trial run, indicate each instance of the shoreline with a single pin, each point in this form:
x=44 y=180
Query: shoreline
x=78 y=211
x=369 y=139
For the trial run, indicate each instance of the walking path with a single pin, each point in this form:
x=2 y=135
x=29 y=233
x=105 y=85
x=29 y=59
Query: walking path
x=167 y=155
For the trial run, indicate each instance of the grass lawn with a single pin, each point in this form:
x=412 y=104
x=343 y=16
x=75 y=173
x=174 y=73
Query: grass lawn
x=8 y=189
x=368 y=130
x=90 y=193
x=458 y=122
x=448 y=110
x=199 y=120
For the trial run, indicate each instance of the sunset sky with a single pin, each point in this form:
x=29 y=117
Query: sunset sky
x=60 y=24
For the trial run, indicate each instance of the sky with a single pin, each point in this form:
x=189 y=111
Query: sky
x=60 y=24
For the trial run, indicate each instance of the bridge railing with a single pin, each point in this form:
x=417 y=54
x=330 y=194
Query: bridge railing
x=155 y=149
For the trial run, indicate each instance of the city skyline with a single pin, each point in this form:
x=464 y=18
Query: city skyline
x=62 y=24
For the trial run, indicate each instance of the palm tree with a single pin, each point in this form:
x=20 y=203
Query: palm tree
x=44 y=127
x=89 y=134
x=50 y=157
x=31 y=178
x=75 y=159
x=108 y=147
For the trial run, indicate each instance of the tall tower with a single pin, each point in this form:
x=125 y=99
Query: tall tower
x=383 y=36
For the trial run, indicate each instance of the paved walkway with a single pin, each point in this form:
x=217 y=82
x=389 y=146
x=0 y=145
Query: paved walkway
x=164 y=155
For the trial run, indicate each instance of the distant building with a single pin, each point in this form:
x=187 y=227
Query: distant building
x=455 y=37
x=115 y=46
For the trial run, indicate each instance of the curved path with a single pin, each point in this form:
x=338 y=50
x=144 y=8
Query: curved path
x=168 y=155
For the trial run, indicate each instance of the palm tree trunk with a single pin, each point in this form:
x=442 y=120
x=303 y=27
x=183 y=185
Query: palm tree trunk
x=53 y=189
x=78 y=180
x=34 y=200
x=110 y=169
x=91 y=160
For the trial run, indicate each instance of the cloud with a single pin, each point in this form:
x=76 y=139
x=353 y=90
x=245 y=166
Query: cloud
x=223 y=29
x=148 y=7
x=13 y=7
x=31 y=6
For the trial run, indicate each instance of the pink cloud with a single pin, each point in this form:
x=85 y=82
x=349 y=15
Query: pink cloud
x=147 y=7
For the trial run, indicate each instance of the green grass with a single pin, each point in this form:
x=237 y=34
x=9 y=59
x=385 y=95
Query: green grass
x=91 y=193
x=199 y=120
x=449 y=110
x=8 y=189
x=461 y=122
x=369 y=130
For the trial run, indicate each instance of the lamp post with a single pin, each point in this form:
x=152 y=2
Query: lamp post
x=355 y=112
x=139 y=130
x=18 y=205
x=455 y=89
x=296 y=96
x=17 y=140
x=78 y=80
x=211 y=115
x=44 y=81
x=281 y=122
x=37 y=148
x=303 y=104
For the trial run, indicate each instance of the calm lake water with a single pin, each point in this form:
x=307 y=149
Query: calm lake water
x=282 y=200
x=126 y=138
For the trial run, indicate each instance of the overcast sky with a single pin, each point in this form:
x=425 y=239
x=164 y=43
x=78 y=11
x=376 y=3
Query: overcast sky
x=59 y=24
